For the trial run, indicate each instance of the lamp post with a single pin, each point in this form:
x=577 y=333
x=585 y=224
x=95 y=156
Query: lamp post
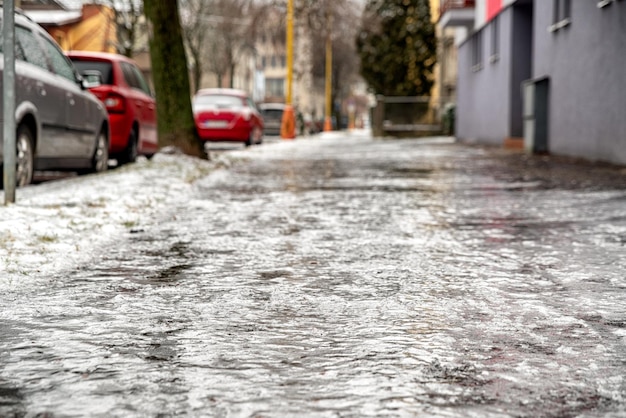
x=288 y=98
x=288 y=122
x=8 y=79
x=328 y=126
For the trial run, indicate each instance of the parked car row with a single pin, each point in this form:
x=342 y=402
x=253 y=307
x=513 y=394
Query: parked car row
x=76 y=110
x=60 y=125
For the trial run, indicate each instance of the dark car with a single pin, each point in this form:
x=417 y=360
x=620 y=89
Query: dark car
x=128 y=99
x=272 y=114
x=60 y=125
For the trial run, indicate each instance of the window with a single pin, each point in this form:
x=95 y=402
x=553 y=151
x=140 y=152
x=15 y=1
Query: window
x=275 y=87
x=105 y=68
x=561 y=14
x=495 y=39
x=30 y=47
x=18 y=51
x=251 y=103
x=477 y=51
x=60 y=63
x=143 y=84
x=218 y=100
x=129 y=76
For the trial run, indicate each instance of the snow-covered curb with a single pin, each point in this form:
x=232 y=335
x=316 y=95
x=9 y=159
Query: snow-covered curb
x=59 y=224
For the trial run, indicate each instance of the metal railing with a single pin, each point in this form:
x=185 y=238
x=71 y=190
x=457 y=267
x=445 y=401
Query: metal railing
x=412 y=116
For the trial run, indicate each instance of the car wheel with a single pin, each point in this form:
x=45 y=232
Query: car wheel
x=24 y=161
x=100 y=159
x=129 y=155
x=250 y=140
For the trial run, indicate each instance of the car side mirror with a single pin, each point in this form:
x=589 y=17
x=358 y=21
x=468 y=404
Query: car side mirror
x=91 y=79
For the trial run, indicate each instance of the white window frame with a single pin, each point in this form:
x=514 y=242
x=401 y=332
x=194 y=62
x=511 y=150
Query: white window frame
x=561 y=15
x=603 y=3
x=477 y=51
x=495 y=39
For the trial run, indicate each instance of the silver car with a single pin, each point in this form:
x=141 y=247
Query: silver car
x=60 y=124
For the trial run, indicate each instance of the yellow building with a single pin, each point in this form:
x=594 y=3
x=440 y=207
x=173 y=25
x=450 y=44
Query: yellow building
x=75 y=26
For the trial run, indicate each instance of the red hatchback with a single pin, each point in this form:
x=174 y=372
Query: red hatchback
x=227 y=115
x=128 y=100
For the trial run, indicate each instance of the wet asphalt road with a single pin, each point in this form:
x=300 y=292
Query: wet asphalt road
x=344 y=277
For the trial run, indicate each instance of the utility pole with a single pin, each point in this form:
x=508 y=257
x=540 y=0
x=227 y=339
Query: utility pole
x=328 y=125
x=289 y=97
x=288 y=122
x=8 y=97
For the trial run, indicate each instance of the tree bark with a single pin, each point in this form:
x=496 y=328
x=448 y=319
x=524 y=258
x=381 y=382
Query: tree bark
x=171 y=78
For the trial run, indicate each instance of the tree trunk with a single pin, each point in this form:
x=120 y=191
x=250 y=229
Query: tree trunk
x=232 y=75
x=171 y=78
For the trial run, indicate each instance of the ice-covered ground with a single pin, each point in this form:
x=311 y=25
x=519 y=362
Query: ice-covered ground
x=58 y=224
x=317 y=278
x=55 y=225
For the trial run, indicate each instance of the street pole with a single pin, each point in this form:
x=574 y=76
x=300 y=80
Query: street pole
x=288 y=99
x=8 y=97
x=328 y=126
x=288 y=122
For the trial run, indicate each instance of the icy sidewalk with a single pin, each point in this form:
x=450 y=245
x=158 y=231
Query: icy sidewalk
x=56 y=225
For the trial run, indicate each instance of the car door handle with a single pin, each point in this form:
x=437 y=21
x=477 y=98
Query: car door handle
x=70 y=99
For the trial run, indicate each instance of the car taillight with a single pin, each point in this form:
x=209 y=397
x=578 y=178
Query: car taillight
x=115 y=103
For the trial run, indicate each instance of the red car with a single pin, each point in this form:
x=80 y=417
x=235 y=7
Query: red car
x=128 y=100
x=227 y=115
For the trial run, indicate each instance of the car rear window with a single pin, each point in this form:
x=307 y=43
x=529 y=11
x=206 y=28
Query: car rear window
x=272 y=113
x=105 y=68
x=220 y=101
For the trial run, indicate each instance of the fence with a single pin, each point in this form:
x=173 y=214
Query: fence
x=412 y=116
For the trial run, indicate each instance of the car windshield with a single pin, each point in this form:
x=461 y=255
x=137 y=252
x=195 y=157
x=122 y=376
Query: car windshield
x=221 y=101
x=105 y=68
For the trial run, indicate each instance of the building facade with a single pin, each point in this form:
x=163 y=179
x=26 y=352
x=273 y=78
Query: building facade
x=445 y=70
x=547 y=75
x=74 y=25
x=307 y=96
